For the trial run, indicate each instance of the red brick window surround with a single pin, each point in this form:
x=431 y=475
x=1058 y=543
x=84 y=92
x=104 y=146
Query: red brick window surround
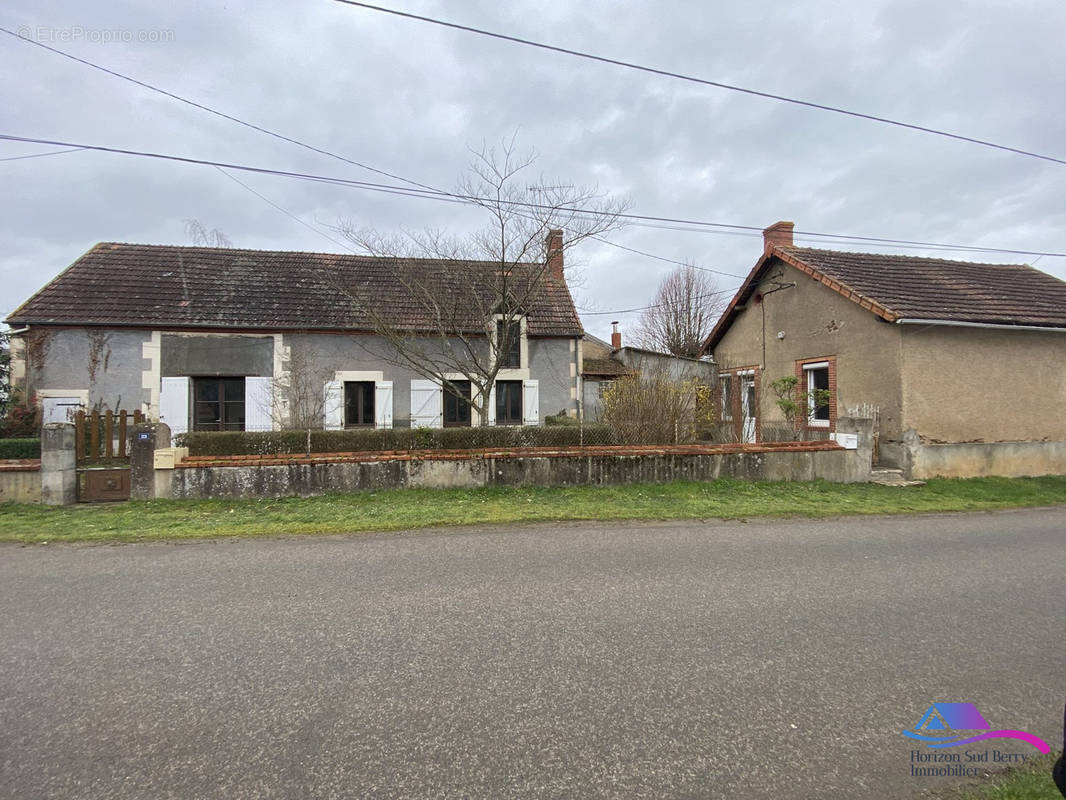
x=813 y=374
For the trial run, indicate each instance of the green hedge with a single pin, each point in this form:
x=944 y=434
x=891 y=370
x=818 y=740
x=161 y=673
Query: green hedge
x=232 y=443
x=20 y=448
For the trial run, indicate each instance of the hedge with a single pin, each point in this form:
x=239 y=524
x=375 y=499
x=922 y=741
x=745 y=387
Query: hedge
x=235 y=443
x=20 y=448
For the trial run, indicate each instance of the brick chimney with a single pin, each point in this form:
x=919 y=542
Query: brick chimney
x=616 y=336
x=779 y=234
x=555 y=254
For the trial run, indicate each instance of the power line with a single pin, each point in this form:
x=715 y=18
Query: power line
x=667 y=223
x=702 y=226
x=208 y=109
x=284 y=211
x=653 y=305
x=41 y=155
x=665 y=259
x=706 y=82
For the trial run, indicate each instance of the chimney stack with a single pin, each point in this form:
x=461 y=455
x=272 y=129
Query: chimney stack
x=555 y=254
x=616 y=336
x=777 y=235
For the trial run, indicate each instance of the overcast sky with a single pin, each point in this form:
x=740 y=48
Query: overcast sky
x=411 y=98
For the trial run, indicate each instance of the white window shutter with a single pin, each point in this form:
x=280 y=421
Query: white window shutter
x=492 y=406
x=174 y=404
x=383 y=403
x=426 y=404
x=258 y=404
x=530 y=403
x=333 y=406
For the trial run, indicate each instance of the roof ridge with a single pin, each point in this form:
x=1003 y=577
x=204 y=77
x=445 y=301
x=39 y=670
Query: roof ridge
x=821 y=250
x=224 y=250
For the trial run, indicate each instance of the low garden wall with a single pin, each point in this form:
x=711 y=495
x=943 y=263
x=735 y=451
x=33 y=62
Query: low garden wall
x=20 y=480
x=257 y=476
x=978 y=459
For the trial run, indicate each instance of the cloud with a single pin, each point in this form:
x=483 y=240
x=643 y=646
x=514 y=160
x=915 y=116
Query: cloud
x=411 y=98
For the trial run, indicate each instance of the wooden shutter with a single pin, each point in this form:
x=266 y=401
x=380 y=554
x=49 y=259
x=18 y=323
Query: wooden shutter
x=426 y=404
x=174 y=404
x=258 y=404
x=383 y=404
x=530 y=403
x=492 y=407
x=333 y=406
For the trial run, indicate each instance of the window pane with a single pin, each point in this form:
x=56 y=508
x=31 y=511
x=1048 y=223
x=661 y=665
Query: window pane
x=359 y=403
x=509 y=338
x=818 y=382
x=457 y=406
x=508 y=402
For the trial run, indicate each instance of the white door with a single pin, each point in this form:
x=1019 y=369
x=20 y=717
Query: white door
x=748 y=407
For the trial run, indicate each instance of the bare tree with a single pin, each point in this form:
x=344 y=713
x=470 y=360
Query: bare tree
x=450 y=325
x=683 y=313
x=300 y=404
x=202 y=237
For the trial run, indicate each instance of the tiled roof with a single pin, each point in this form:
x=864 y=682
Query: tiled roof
x=936 y=288
x=206 y=287
x=911 y=287
x=605 y=367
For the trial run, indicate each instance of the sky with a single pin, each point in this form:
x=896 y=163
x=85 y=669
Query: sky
x=415 y=100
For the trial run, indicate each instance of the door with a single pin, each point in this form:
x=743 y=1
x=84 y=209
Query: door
x=748 y=407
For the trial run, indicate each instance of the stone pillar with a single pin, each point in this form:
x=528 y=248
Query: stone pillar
x=145 y=439
x=59 y=476
x=859 y=471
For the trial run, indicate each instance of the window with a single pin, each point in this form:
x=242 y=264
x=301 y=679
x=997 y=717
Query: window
x=457 y=405
x=816 y=387
x=509 y=338
x=358 y=404
x=725 y=383
x=218 y=404
x=508 y=402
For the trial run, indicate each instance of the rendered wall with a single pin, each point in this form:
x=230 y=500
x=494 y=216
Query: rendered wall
x=989 y=385
x=120 y=365
x=817 y=322
x=981 y=459
x=20 y=483
x=106 y=363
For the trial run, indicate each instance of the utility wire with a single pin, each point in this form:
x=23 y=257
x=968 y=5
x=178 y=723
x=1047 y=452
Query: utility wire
x=41 y=155
x=704 y=81
x=653 y=305
x=284 y=211
x=646 y=221
x=435 y=194
x=208 y=109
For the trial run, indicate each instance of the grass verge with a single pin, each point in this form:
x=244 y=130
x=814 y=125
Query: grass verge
x=418 y=508
x=1031 y=781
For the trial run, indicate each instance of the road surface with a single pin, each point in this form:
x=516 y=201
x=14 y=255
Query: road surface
x=682 y=659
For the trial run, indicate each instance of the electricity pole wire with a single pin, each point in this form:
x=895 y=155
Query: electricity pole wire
x=706 y=82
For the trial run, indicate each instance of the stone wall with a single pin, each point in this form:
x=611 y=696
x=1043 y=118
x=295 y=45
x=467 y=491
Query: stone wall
x=980 y=459
x=592 y=466
x=20 y=481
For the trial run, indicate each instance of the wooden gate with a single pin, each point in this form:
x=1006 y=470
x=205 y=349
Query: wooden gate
x=103 y=461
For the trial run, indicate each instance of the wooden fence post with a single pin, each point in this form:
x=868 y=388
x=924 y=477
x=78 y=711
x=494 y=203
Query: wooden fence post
x=79 y=436
x=122 y=433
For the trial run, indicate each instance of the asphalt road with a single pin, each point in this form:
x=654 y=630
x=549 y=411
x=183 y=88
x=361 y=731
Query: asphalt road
x=735 y=660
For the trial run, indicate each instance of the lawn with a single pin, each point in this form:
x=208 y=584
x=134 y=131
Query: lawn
x=1032 y=781
x=418 y=508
